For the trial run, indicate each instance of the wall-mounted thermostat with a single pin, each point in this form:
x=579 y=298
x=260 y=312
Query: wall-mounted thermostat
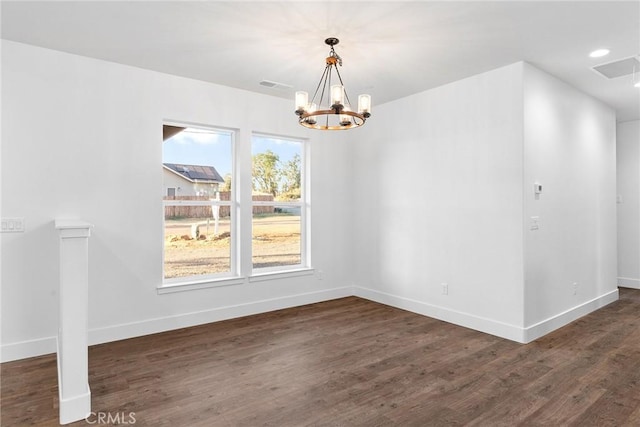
x=537 y=188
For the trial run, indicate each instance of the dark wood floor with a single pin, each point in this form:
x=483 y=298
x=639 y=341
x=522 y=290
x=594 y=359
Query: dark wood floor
x=351 y=362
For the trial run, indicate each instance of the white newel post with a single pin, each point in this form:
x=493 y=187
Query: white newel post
x=73 y=359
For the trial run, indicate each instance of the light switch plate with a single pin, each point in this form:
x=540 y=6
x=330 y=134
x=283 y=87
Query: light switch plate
x=12 y=225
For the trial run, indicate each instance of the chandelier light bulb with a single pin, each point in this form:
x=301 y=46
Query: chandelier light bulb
x=302 y=99
x=345 y=119
x=364 y=104
x=311 y=108
x=337 y=95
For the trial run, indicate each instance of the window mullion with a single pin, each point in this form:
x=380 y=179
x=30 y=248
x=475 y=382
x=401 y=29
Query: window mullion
x=245 y=209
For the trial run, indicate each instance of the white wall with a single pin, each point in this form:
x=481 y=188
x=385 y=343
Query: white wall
x=628 y=182
x=457 y=166
x=569 y=148
x=76 y=133
x=448 y=206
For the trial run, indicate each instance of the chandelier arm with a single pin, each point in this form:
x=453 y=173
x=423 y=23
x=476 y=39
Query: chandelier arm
x=322 y=78
x=329 y=80
x=324 y=88
x=324 y=84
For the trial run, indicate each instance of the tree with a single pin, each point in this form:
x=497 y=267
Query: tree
x=291 y=175
x=265 y=172
x=227 y=182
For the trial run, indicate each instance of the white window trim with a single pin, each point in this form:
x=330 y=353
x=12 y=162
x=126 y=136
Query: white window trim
x=242 y=271
x=281 y=274
x=268 y=273
x=233 y=281
x=192 y=285
x=232 y=277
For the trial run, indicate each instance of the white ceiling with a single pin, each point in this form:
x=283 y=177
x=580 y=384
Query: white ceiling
x=390 y=49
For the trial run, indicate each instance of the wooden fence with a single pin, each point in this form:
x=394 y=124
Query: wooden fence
x=173 y=212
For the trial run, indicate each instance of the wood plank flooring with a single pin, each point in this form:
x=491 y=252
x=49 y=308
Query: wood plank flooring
x=351 y=362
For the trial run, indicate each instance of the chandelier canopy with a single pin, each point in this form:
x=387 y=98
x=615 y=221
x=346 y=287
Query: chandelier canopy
x=330 y=107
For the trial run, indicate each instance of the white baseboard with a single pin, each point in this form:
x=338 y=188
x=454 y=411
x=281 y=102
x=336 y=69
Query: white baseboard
x=628 y=282
x=163 y=324
x=542 y=328
x=39 y=347
x=25 y=349
x=489 y=326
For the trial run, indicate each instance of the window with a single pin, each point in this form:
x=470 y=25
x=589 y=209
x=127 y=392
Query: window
x=199 y=241
x=279 y=204
x=212 y=235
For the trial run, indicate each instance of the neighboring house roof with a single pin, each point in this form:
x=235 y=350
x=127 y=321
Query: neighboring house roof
x=195 y=173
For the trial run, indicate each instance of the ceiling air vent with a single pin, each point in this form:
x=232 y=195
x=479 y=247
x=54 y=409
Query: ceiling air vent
x=275 y=85
x=619 y=68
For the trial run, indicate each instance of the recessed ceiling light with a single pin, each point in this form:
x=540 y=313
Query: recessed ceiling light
x=599 y=53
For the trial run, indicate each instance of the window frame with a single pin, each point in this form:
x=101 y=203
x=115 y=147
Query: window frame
x=264 y=273
x=241 y=210
x=213 y=279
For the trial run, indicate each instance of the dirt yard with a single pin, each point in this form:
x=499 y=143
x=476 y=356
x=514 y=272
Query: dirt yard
x=276 y=241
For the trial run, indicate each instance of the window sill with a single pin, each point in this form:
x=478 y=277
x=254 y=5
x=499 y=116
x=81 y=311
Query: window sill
x=199 y=284
x=192 y=285
x=281 y=274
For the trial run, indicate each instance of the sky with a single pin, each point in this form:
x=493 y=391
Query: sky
x=205 y=147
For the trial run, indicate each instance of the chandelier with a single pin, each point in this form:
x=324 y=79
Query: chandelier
x=331 y=109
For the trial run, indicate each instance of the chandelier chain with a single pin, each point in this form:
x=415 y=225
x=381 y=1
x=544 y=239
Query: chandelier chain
x=335 y=55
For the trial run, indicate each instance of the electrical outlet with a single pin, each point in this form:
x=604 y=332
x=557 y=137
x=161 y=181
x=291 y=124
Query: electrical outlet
x=319 y=274
x=575 y=288
x=534 y=223
x=12 y=225
x=445 y=289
